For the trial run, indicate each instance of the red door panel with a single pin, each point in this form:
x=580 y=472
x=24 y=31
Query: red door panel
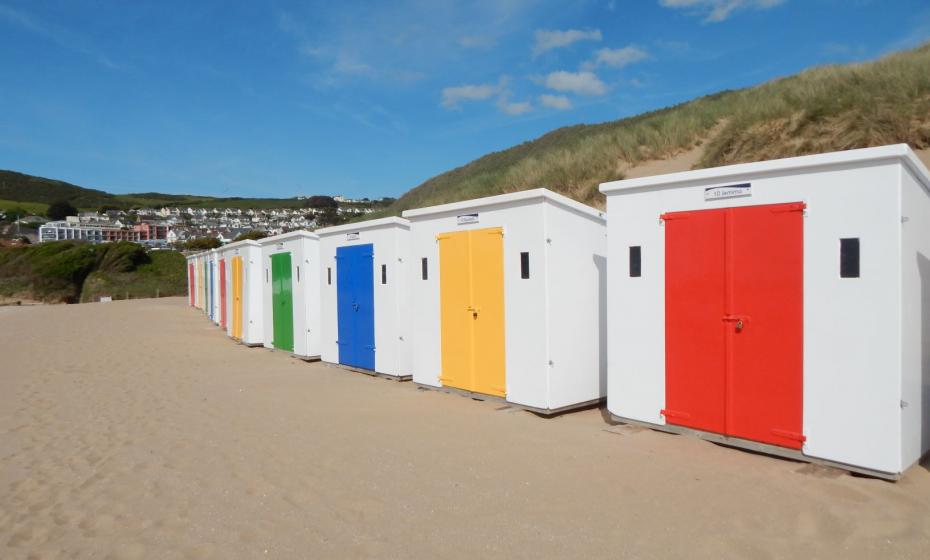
x=695 y=373
x=766 y=290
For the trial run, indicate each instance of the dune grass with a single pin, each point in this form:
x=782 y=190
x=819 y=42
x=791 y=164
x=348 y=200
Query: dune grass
x=823 y=109
x=72 y=271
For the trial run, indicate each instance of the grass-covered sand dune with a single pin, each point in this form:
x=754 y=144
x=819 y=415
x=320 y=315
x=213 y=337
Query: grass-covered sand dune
x=823 y=109
x=71 y=272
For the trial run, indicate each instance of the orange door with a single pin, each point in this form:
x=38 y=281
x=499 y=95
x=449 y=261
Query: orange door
x=223 y=293
x=487 y=264
x=454 y=302
x=237 y=297
x=471 y=286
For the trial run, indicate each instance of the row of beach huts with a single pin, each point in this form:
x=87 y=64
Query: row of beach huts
x=780 y=306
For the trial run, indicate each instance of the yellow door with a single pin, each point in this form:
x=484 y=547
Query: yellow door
x=454 y=301
x=471 y=286
x=487 y=264
x=237 y=297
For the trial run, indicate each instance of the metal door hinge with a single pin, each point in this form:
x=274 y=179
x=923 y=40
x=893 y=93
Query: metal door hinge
x=794 y=207
x=790 y=435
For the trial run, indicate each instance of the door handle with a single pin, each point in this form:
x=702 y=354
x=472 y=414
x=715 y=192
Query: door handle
x=739 y=320
x=355 y=307
x=473 y=310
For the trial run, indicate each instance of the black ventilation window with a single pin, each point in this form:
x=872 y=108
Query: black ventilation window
x=384 y=274
x=423 y=267
x=636 y=262
x=849 y=257
x=266 y=276
x=329 y=275
x=298 y=274
x=524 y=265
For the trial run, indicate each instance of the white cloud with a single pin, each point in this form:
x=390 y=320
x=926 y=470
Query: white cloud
x=477 y=41
x=581 y=83
x=546 y=40
x=618 y=58
x=347 y=64
x=452 y=97
x=559 y=102
x=715 y=11
x=514 y=108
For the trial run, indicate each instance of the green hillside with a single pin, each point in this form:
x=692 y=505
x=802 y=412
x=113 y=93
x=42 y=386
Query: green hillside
x=27 y=191
x=823 y=109
x=70 y=271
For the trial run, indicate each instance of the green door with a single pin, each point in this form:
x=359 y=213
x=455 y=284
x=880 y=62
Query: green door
x=282 y=301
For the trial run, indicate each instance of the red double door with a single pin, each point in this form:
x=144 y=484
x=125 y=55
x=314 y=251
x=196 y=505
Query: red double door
x=734 y=322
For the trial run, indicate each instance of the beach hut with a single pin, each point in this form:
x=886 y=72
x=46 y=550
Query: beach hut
x=782 y=306
x=215 y=286
x=191 y=281
x=218 y=281
x=211 y=284
x=364 y=296
x=243 y=287
x=506 y=296
x=201 y=283
x=291 y=293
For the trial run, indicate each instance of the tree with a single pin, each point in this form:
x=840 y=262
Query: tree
x=15 y=213
x=203 y=243
x=320 y=201
x=255 y=234
x=330 y=217
x=60 y=210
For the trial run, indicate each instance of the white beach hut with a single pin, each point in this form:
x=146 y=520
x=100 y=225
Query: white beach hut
x=216 y=286
x=191 y=280
x=291 y=293
x=782 y=306
x=506 y=299
x=243 y=279
x=364 y=296
x=201 y=282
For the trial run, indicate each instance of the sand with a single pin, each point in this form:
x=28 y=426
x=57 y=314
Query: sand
x=138 y=430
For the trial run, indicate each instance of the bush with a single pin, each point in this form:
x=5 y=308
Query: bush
x=60 y=210
x=71 y=271
x=202 y=244
x=255 y=235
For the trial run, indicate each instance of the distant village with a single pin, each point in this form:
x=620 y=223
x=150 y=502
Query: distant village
x=176 y=226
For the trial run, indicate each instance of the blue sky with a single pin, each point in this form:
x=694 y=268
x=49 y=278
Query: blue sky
x=371 y=98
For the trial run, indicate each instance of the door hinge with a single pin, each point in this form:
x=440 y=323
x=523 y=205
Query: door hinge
x=790 y=435
x=673 y=413
x=794 y=207
x=673 y=216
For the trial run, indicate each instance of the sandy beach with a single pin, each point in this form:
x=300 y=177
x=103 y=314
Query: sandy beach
x=138 y=430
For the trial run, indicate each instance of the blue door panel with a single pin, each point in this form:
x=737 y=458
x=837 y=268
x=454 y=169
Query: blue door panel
x=355 y=305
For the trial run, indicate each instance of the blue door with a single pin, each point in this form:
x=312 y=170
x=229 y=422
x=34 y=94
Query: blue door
x=355 y=305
